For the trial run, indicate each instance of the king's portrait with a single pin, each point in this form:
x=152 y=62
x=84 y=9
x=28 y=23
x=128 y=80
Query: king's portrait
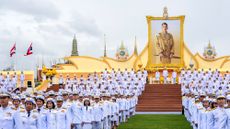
x=165 y=41
x=165 y=44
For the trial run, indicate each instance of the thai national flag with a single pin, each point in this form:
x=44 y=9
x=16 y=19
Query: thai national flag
x=29 y=50
x=13 y=50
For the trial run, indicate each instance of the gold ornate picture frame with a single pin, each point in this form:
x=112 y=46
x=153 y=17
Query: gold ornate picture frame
x=151 y=64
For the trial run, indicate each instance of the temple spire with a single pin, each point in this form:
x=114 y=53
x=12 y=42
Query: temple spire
x=122 y=45
x=74 y=47
x=135 y=47
x=105 y=51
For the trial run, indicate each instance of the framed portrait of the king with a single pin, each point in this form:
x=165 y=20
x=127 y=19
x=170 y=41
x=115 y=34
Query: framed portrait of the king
x=165 y=42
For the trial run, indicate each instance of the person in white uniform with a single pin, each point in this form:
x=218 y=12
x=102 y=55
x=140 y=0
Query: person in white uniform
x=87 y=117
x=165 y=75
x=29 y=117
x=9 y=117
x=218 y=117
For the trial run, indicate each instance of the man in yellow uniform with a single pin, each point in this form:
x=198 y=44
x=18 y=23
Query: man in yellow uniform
x=165 y=44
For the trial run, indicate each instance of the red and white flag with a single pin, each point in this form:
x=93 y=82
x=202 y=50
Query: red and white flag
x=13 y=50
x=29 y=50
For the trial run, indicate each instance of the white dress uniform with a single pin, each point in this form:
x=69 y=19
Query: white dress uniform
x=228 y=121
x=22 y=78
x=63 y=118
x=165 y=75
x=9 y=118
x=61 y=80
x=87 y=117
x=115 y=112
x=10 y=86
x=76 y=114
x=42 y=113
x=218 y=119
x=7 y=77
x=30 y=120
x=97 y=115
x=157 y=76
x=107 y=113
x=122 y=105
x=51 y=119
x=174 y=76
x=14 y=81
x=203 y=118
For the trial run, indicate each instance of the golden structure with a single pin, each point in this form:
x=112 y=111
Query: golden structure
x=85 y=64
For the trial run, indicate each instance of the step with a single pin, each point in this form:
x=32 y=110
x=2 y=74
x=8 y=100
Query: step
x=158 y=110
x=160 y=98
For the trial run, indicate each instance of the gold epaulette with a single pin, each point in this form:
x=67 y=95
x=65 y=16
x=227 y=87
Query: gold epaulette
x=35 y=111
x=13 y=108
x=208 y=110
x=212 y=109
x=22 y=110
x=200 y=108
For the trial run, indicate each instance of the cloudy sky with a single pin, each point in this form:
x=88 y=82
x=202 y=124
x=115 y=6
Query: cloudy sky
x=51 y=24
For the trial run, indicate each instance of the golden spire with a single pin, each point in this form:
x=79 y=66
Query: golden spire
x=74 y=47
x=209 y=44
x=135 y=47
x=122 y=47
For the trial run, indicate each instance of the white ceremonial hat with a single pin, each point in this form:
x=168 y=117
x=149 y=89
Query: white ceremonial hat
x=16 y=98
x=228 y=97
x=221 y=97
x=28 y=99
x=97 y=97
x=75 y=92
x=202 y=94
x=5 y=94
x=50 y=100
x=206 y=99
x=40 y=97
x=59 y=98
x=64 y=92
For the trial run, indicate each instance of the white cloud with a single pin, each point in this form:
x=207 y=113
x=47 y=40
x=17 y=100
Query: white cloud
x=42 y=9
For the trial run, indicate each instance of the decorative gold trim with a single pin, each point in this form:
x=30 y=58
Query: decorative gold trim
x=88 y=57
x=107 y=63
x=61 y=65
x=119 y=60
x=197 y=63
x=225 y=61
x=150 y=43
x=219 y=58
x=139 y=57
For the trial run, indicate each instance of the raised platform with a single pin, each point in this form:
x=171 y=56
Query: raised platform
x=160 y=98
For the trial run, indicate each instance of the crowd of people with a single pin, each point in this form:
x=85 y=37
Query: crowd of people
x=206 y=98
x=105 y=100
x=10 y=82
x=100 y=101
x=164 y=77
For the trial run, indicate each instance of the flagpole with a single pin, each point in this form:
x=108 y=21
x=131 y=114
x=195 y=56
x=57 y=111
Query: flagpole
x=15 y=58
